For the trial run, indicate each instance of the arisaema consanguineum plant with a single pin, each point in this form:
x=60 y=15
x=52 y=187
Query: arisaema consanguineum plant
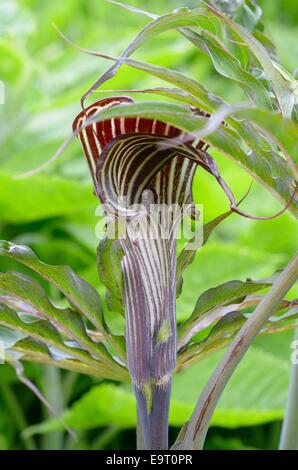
x=144 y=154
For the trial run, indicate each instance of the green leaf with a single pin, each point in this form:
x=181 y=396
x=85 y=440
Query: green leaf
x=35 y=351
x=232 y=291
x=78 y=292
x=220 y=260
x=12 y=64
x=257 y=162
x=210 y=102
x=256 y=393
x=272 y=170
x=157 y=26
x=228 y=65
x=281 y=130
x=43 y=331
x=91 y=410
x=283 y=92
x=282 y=322
x=8 y=337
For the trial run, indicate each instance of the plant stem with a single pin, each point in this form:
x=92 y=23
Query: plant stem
x=289 y=433
x=53 y=392
x=198 y=425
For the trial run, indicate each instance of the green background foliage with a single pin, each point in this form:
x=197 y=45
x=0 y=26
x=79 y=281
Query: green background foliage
x=54 y=213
